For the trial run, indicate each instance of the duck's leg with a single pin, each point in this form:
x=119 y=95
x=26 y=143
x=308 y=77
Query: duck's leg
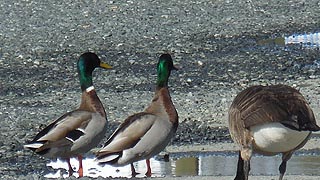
x=133 y=171
x=148 y=173
x=70 y=167
x=80 y=170
x=283 y=166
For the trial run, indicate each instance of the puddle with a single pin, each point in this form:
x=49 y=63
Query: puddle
x=93 y=169
x=194 y=164
x=311 y=40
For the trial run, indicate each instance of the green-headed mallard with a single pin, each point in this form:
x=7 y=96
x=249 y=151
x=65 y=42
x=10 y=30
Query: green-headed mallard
x=145 y=134
x=78 y=131
x=269 y=120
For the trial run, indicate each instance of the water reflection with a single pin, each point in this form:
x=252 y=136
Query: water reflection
x=201 y=164
x=187 y=166
x=93 y=169
x=311 y=40
x=308 y=40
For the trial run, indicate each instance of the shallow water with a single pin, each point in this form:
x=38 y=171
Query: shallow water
x=195 y=164
x=311 y=40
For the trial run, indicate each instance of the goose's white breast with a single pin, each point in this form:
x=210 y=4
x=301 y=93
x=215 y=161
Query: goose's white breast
x=275 y=137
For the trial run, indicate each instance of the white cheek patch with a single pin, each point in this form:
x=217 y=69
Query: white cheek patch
x=276 y=138
x=89 y=89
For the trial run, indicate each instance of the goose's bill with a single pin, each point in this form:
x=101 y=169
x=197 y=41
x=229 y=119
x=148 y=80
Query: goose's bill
x=105 y=65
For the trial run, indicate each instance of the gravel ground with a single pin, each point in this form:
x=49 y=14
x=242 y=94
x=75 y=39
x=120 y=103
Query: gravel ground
x=213 y=42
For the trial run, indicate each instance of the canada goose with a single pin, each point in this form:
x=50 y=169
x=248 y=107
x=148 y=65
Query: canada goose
x=269 y=120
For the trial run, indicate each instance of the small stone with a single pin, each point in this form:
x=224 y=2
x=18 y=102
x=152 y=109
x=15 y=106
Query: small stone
x=19 y=153
x=202 y=55
x=36 y=62
x=131 y=61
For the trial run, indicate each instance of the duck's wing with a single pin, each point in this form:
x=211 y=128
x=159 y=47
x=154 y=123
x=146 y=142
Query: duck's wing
x=127 y=135
x=62 y=132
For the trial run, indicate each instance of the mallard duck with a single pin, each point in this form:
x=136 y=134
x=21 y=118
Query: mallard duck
x=269 y=120
x=78 y=131
x=145 y=134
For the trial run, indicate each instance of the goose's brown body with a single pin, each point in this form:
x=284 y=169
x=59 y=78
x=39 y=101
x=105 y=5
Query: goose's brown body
x=269 y=120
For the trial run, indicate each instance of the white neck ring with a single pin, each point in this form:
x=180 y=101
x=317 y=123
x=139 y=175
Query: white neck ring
x=89 y=89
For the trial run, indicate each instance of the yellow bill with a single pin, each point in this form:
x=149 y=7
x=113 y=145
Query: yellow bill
x=105 y=65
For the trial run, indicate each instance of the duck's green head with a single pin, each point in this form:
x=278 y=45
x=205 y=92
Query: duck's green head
x=164 y=67
x=86 y=64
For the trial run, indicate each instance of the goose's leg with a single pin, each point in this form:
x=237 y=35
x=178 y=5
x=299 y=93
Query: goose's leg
x=246 y=168
x=283 y=166
x=240 y=168
x=244 y=162
x=243 y=168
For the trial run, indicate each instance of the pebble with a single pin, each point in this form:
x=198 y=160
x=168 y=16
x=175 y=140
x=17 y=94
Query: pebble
x=36 y=62
x=131 y=61
x=200 y=63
